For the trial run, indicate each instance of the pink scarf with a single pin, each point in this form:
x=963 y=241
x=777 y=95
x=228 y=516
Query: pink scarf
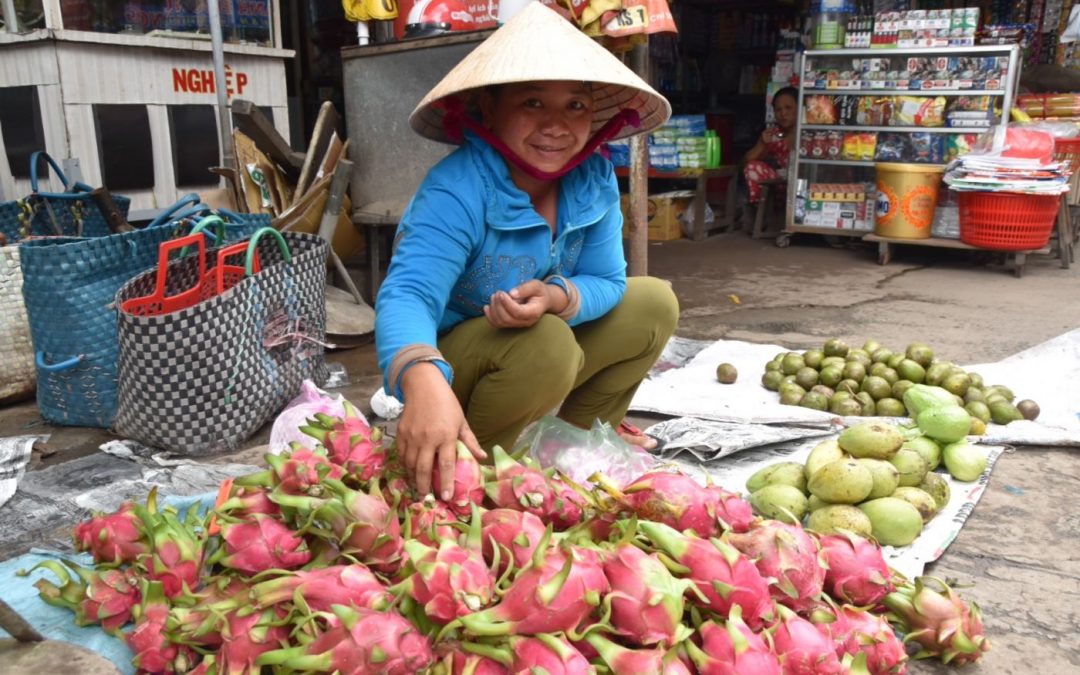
x=456 y=120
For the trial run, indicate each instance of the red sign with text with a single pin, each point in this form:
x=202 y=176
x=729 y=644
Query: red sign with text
x=201 y=81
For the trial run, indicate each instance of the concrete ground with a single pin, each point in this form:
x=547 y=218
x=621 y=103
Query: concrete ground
x=1016 y=556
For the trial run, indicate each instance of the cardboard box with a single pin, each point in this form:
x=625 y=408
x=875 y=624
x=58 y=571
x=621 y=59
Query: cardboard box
x=663 y=214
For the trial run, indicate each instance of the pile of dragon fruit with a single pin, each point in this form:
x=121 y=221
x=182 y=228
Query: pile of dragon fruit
x=327 y=561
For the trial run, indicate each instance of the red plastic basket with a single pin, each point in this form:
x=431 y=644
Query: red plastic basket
x=1068 y=150
x=1007 y=221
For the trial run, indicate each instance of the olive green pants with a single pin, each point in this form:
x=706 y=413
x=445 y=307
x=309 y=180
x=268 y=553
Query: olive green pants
x=507 y=378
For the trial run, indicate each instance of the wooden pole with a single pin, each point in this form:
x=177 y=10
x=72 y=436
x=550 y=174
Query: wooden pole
x=638 y=257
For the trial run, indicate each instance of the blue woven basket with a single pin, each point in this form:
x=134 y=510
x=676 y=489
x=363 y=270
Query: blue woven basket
x=71 y=213
x=69 y=285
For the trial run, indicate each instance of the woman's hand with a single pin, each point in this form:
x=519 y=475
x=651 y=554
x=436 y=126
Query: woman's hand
x=524 y=305
x=430 y=426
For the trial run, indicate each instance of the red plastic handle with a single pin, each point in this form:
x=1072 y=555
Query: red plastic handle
x=222 y=258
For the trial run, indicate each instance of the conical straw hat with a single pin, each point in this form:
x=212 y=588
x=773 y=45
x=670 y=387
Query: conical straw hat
x=539 y=44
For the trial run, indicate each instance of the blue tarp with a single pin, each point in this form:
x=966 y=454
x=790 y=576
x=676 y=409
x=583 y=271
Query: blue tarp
x=56 y=623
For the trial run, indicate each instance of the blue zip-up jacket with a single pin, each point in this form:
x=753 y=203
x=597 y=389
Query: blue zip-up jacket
x=469 y=232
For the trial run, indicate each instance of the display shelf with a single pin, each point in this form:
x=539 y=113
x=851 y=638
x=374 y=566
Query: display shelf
x=907 y=92
x=885 y=246
x=804 y=170
x=850 y=162
x=859 y=127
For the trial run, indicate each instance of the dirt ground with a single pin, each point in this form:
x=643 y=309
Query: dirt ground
x=1017 y=555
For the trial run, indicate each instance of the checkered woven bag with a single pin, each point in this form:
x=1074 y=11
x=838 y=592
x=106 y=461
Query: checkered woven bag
x=17 y=380
x=203 y=379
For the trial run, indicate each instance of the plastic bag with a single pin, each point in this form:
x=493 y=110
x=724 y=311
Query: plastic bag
x=579 y=453
x=311 y=400
x=1020 y=141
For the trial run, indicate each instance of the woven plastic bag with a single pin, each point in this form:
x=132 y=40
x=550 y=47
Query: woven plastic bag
x=202 y=379
x=17 y=380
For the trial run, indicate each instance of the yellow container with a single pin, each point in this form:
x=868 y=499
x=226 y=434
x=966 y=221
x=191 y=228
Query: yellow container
x=907 y=196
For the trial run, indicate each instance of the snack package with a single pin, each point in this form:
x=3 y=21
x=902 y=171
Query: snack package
x=834 y=144
x=926 y=148
x=851 y=146
x=820 y=109
x=874 y=111
x=919 y=111
x=891 y=147
x=847 y=108
x=867 y=146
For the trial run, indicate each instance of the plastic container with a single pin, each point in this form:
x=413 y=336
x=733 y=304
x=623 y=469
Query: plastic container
x=1007 y=221
x=830 y=29
x=907 y=196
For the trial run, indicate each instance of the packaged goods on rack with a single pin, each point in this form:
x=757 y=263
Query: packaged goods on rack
x=1050 y=105
x=842 y=206
x=900 y=111
x=908 y=72
x=926 y=28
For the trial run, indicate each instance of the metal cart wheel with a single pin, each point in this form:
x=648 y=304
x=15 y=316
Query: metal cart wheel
x=783 y=241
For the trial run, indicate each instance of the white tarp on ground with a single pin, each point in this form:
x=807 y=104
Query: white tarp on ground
x=730 y=431
x=1049 y=373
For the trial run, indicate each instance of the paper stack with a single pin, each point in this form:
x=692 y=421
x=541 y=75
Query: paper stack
x=990 y=173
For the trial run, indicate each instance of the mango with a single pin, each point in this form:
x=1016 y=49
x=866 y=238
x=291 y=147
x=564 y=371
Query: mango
x=928 y=448
x=936 y=486
x=781 y=473
x=923 y=501
x=964 y=461
x=945 y=424
x=823 y=453
x=894 y=522
x=886 y=477
x=844 y=481
x=780 y=502
x=871 y=439
x=911 y=465
x=836 y=518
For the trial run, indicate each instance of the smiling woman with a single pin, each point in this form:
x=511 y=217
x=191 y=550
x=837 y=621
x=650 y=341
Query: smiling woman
x=507 y=294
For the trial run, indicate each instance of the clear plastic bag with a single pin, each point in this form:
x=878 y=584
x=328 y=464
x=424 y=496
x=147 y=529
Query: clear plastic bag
x=310 y=400
x=579 y=453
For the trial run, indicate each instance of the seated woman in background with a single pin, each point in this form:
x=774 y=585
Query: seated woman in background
x=769 y=157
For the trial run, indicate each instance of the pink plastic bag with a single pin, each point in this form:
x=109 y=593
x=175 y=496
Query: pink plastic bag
x=311 y=400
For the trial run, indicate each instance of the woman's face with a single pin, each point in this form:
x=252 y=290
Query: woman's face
x=544 y=123
x=784 y=108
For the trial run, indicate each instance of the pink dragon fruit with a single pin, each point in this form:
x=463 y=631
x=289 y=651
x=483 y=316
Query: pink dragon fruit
x=732 y=649
x=350 y=442
x=196 y=619
x=788 y=554
x=358 y=642
x=302 y=471
x=176 y=552
x=154 y=652
x=260 y=544
x=107 y=596
x=363 y=524
x=855 y=631
x=114 y=538
x=516 y=533
x=938 y=620
x=247 y=501
x=459 y=662
x=319 y=589
x=670 y=498
x=622 y=660
x=516 y=486
x=646 y=601
x=429 y=522
x=548 y=654
x=554 y=594
x=731 y=511
x=857 y=572
x=468 y=482
x=452 y=581
x=570 y=506
x=802 y=648
x=246 y=636
x=720 y=573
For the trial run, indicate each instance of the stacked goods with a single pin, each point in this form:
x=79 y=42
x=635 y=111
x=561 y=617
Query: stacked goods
x=873 y=380
x=875 y=479
x=327 y=562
